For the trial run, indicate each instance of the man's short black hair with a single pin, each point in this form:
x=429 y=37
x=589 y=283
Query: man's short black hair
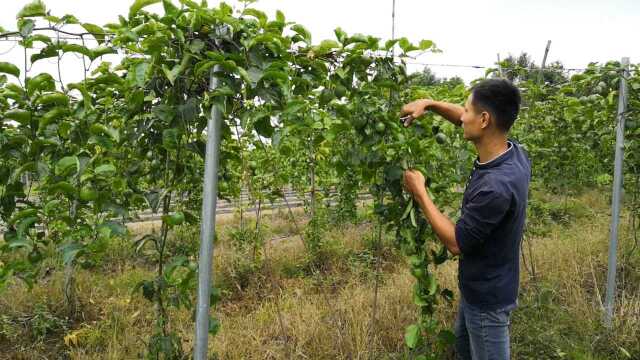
x=500 y=98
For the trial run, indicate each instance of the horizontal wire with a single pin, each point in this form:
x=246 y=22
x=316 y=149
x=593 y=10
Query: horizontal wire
x=449 y=65
x=489 y=67
x=60 y=31
x=80 y=36
x=19 y=38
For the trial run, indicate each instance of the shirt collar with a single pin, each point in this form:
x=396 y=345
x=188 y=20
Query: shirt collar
x=497 y=160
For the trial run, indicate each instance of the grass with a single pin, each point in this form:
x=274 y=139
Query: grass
x=282 y=308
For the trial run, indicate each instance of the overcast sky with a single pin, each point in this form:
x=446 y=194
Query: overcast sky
x=469 y=32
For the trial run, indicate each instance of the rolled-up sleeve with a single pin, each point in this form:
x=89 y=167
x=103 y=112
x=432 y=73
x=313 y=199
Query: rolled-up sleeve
x=479 y=218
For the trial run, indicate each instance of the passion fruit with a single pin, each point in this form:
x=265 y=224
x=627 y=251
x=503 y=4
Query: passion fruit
x=340 y=91
x=441 y=138
x=359 y=122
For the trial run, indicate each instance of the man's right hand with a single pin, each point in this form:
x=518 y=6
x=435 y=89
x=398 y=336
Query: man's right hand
x=414 y=110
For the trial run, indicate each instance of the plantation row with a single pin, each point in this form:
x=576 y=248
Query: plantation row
x=311 y=116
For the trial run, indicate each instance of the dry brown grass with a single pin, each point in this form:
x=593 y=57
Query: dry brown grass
x=329 y=315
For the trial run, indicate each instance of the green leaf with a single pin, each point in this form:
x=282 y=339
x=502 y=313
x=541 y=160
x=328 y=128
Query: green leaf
x=174 y=219
x=138 y=74
x=148 y=289
x=170 y=139
x=9 y=68
x=67 y=165
x=40 y=82
x=169 y=8
x=101 y=130
x=393 y=173
x=63 y=187
x=66 y=19
x=432 y=285
x=105 y=170
x=42 y=38
x=196 y=45
x=356 y=38
x=22 y=214
x=303 y=32
x=76 y=48
x=26 y=26
x=51 y=207
x=412 y=336
x=263 y=126
x=70 y=252
x=215 y=295
x=244 y=74
x=20 y=242
x=26 y=223
x=101 y=51
x=190 y=4
x=407 y=210
x=139 y=4
x=389 y=44
x=164 y=112
x=28 y=167
x=19 y=115
x=28 y=42
x=96 y=31
x=406 y=45
x=104 y=232
x=447 y=337
x=33 y=9
x=425 y=44
x=294 y=107
x=325 y=47
x=46 y=52
x=214 y=326
x=340 y=35
x=262 y=17
x=419 y=299
x=56 y=98
x=177 y=69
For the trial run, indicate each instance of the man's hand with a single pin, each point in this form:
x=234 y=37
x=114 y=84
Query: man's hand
x=441 y=224
x=414 y=110
x=414 y=183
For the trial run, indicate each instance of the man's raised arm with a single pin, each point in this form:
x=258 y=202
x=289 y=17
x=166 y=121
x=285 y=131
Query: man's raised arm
x=415 y=109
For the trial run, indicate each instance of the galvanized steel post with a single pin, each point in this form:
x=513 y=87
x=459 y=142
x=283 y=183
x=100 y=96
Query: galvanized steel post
x=617 y=190
x=208 y=226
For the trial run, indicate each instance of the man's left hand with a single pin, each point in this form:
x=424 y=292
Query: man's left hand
x=414 y=183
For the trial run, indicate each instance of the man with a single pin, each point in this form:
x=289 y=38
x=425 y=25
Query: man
x=487 y=235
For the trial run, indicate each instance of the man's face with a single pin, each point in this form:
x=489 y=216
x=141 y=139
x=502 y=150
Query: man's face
x=473 y=121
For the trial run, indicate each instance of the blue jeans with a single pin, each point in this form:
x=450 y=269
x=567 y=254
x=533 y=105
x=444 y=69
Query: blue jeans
x=482 y=335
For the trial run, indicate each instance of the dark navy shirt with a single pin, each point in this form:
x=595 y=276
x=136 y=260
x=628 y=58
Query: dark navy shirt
x=490 y=227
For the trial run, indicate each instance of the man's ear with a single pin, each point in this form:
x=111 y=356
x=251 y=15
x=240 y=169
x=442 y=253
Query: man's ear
x=485 y=119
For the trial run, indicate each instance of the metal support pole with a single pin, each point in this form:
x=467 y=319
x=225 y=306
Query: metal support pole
x=208 y=226
x=617 y=189
x=393 y=21
x=500 y=67
x=544 y=62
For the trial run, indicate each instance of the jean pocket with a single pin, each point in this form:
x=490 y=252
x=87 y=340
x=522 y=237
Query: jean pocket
x=501 y=317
